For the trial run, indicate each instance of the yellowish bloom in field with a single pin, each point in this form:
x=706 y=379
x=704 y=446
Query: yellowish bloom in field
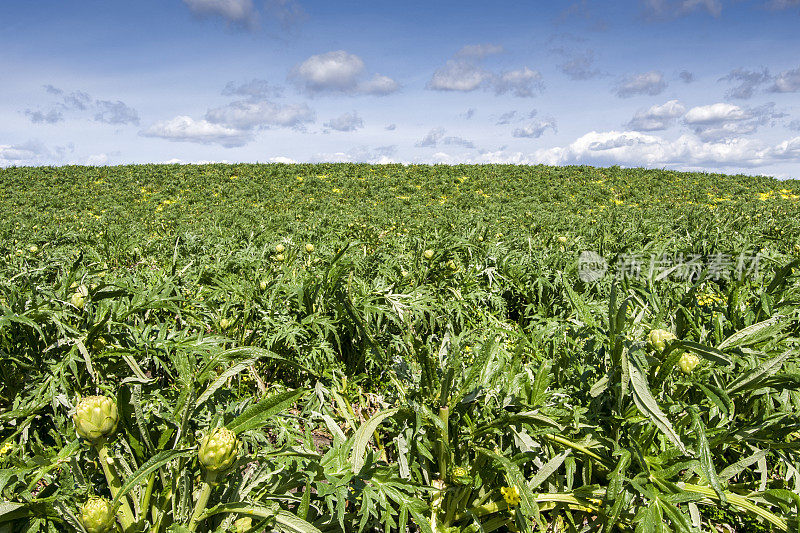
x=427 y=254
x=562 y=239
x=687 y=362
x=511 y=495
x=279 y=258
x=280 y=249
x=309 y=247
x=224 y=323
x=33 y=249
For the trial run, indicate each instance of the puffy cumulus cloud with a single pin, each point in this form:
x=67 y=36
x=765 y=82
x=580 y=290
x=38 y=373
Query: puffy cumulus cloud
x=464 y=72
x=787 y=81
x=748 y=82
x=109 y=112
x=380 y=155
x=725 y=121
x=668 y=9
x=458 y=75
x=240 y=13
x=634 y=148
x=345 y=122
x=534 y=130
x=282 y=159
x=436 y=136
x=250 y=114
x=50 y=117
x=657 y=117
x=255 y=88
x=379 y=85
x=650 y=83
x=186 y=129
x=338 y=72
x=523 y=83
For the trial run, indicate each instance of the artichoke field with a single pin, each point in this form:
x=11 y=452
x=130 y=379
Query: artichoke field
x=179 y=353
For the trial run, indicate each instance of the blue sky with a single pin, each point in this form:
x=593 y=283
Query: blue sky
x=709 y=85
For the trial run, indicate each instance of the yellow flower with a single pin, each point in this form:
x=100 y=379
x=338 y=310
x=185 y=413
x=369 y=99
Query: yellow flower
x=511 y=495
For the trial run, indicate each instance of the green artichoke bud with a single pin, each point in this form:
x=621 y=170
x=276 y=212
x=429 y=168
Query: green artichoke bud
x=218 y=450
x=96 y=417
x=658 y=339
x=460 y=476
x=243 y=524
x=687 y=362
x=97 y=515
x=427 y=254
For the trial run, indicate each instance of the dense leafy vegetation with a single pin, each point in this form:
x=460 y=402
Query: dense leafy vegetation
x=397 y=348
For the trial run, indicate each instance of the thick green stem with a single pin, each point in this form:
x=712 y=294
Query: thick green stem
x=444 y=442
x=114 y=484
x=202 y=501
x=145 y=503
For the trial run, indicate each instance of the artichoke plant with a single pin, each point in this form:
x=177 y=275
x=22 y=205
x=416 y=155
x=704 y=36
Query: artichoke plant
x=687 y=362
x=658 y=339
x=218 y=450
x=97 y=515
x=96 y=417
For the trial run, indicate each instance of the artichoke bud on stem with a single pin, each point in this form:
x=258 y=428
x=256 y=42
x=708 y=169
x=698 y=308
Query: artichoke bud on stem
x=96 y=419
x=217 y=453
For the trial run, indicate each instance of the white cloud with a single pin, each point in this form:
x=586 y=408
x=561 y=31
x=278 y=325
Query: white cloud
x=186 y=129
x=345 y=122
x=340 y=72
x=237 y=12
x=436 y=136
x=638 y=149
x=725 y=121
x=458 y=75
x=650 y=83
x=380 y=155
x=535 y=129
x=80 y=102
x=522 y=83
x=657 y=117
x=686 y=76
x=464 y=73
x=25 y=153
x=787 y=81
x=579 y=66
x=249 y=114
x=282 y=159
x=379 y=85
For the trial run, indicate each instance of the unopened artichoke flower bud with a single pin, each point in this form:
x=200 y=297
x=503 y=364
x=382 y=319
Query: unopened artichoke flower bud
x=687 y=362
x=427 y=254
x=97 y=515
x=218 y=450
x=309 y=247
x=460 y=476
x=243 y=524
x=280 y=248
x=96 y=417
x=658 y=339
